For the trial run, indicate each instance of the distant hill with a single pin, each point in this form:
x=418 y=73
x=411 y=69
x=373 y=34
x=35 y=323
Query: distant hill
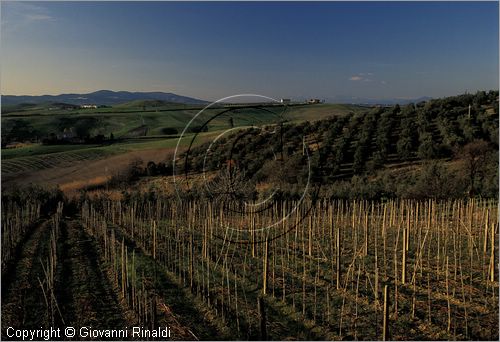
x=27 y=107
x=146 y=103
x=378 y=101
x=101 y=97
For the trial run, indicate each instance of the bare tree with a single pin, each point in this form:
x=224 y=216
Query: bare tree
x=474 y=157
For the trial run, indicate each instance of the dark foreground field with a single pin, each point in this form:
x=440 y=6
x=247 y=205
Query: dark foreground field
x=332 y=270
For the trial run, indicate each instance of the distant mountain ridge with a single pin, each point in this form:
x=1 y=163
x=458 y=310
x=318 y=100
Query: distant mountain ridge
x=379 y=101
x=101 y=97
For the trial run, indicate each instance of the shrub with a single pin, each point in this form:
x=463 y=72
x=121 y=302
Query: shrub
x=169 y=130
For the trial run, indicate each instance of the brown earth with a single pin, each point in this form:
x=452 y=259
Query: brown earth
x=83 y=174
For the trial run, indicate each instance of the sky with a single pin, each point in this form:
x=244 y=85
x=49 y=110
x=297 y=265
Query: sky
x=210 y=50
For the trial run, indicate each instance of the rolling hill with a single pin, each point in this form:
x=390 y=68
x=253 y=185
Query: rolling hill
x=429 y=149
x=101 y=97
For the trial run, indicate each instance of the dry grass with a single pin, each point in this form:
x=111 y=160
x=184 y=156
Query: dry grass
x=85 y=173
x=81 y=184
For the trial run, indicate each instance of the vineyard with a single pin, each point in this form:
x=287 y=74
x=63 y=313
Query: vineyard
x=60 y=159
x=328 y=270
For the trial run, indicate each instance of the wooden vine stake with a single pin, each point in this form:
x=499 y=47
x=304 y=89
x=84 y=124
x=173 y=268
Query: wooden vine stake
x=338 y=257
x=403 y=261
x=385 y=331
x=264 y=275
x=492 y=253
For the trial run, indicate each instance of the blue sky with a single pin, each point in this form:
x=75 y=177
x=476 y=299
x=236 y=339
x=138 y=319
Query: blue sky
x=210 y=50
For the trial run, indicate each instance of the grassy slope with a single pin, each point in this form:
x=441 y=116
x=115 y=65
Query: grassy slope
x=28 y=161
x=120 y=123
x=38 y=149
x=120 y=120
x=321 y=111
x=39 y=157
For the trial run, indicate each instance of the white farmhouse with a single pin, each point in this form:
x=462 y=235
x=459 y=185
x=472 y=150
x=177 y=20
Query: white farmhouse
x=88 y=106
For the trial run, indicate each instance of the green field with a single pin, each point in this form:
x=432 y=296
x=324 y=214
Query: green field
x=137 y=125
x=38 y=157
x=124 y=119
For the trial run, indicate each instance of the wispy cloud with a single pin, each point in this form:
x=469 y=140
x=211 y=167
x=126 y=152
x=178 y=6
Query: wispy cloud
x=31 y=17
x=361 y=77
x=19 y=15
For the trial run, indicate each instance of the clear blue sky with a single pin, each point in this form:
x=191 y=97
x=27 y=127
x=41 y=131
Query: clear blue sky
x=282 y=49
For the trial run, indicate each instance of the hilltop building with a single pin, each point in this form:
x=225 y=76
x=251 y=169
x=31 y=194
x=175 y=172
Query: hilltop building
x=314 y=101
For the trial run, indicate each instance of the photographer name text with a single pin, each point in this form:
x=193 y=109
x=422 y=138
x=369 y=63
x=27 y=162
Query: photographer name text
x=87 y=332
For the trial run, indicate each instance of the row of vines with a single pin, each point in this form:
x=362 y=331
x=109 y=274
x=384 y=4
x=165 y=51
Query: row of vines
x=314 y=270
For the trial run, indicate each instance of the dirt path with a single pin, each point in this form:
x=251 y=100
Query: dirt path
x=85 y=294
x=23 y=304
